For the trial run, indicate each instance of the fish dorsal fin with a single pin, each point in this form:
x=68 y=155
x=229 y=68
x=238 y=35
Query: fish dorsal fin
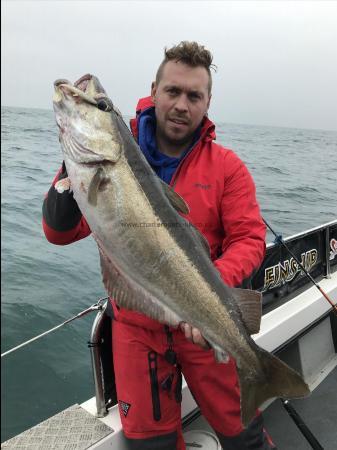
x=175 y=199
x=250 y=305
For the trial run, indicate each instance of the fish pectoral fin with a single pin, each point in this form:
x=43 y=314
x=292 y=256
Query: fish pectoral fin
x=175 y=199
x=250 y=305
x=99 y=180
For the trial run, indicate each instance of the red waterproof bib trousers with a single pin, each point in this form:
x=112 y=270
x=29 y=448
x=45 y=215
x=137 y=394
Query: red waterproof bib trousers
x=149 y=388
x=220 y=193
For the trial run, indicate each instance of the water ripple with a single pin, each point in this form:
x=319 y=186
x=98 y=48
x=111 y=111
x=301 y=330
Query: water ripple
x=295 y=176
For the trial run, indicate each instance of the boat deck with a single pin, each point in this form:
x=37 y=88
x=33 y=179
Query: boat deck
x=318 y=412
x=71 y=429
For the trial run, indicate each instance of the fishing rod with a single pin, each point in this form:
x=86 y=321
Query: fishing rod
x=279 y=240
x=315 y=445
x=96 y=306
x=304 y=429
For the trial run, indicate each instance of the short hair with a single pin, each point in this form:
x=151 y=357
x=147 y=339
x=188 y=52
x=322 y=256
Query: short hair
x=190 y=53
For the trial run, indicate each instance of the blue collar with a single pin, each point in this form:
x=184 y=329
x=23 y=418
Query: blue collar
x=163 y=165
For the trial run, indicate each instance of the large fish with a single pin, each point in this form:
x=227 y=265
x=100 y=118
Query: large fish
x=152 y=260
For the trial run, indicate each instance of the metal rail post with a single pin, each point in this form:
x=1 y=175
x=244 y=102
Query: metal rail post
x=94 y=345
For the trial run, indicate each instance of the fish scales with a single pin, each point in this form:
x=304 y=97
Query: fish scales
x=141 y=243
x=152 y=259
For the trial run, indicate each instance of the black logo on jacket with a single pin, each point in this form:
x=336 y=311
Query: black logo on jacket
x=124 y=407
x=202 y=186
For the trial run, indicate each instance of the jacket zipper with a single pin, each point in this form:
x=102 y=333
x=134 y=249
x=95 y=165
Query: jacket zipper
x=152 y=357
x=175 y=175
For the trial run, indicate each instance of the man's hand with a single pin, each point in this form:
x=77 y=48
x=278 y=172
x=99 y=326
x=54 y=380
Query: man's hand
x=193 y=335
x=63 y=185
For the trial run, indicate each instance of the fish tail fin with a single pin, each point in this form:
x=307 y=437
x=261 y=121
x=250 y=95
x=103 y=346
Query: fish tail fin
x=279 y=380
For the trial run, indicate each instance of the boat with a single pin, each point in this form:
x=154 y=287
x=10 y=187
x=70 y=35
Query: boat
x=298 y=279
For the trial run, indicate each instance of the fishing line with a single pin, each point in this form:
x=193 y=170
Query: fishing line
x=279 y=240
x=94 y=307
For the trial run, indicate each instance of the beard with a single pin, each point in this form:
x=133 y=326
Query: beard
x=182 y=141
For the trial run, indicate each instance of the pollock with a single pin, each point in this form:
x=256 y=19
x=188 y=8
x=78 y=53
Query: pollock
x=152 y=260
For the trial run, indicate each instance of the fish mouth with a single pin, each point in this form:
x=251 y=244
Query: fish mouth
x=63 y=88
x=82 y=83
x=87 y=89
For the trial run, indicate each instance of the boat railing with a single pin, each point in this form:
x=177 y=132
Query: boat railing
x=100 y=345
x=280 y=277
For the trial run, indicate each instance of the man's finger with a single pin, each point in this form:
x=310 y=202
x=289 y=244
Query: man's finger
x=198 y=339
x=194 y=335
x=187 y=330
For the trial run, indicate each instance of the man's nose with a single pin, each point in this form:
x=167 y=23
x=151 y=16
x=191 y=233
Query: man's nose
x=181 y=103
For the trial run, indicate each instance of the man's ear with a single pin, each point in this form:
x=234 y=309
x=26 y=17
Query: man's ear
x=209 y=102
x=153 y=90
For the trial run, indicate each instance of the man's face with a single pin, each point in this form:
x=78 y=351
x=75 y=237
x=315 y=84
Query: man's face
x=181 y=99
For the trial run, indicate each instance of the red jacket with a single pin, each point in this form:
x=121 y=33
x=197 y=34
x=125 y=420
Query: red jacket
x=220 y=193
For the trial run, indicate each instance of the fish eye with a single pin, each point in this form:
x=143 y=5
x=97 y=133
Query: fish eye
x=104 y=104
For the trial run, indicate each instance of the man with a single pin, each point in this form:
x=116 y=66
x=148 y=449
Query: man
x=177 y=138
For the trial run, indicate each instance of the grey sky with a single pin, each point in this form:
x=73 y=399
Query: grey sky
x=277 y=60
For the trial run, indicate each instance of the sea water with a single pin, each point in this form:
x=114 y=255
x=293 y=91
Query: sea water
x=295 y=173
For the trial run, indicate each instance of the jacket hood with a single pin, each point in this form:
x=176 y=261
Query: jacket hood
x=207 y=129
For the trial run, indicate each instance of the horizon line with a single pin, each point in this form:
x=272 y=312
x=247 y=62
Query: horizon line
x=216 y=121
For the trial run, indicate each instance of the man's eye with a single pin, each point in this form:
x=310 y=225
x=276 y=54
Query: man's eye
x=194 y=97
x=173 y=91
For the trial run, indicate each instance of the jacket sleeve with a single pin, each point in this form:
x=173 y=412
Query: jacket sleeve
x=62 y=220
x=243 y=247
